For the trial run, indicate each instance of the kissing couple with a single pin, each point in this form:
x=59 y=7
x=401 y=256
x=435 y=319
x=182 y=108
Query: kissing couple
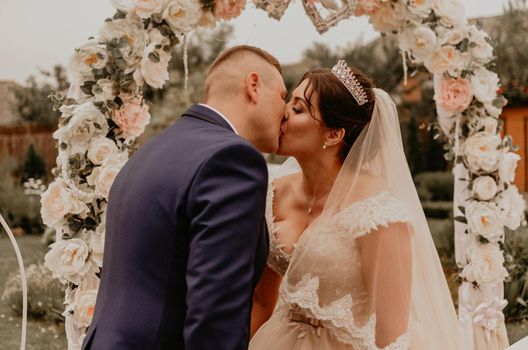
x=205 y=250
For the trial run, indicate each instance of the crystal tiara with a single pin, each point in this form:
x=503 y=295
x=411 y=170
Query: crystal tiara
x=343 y=72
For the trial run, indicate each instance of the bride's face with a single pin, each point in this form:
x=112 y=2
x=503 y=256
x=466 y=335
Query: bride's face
x=302 y=130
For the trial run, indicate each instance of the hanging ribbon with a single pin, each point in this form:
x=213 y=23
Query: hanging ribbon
x=185 y=61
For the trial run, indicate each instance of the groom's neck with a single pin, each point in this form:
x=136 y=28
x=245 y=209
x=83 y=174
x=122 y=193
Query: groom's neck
x=228 y=112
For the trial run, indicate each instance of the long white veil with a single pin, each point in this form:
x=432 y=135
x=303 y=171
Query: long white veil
x=406 y=284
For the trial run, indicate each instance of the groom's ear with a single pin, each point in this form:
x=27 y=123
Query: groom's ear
x=253 y=83
x=335 y=136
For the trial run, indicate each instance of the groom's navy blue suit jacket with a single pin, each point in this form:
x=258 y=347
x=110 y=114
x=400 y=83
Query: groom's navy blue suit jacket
x=186 y=241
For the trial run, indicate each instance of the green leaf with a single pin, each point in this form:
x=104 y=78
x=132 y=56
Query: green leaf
x=483 y=240
x=462 y=209
x=111 y=104
x=119 y=14
x=461 y=219
x=154 y=57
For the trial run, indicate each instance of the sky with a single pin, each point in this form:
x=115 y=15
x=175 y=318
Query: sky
x=37 y=34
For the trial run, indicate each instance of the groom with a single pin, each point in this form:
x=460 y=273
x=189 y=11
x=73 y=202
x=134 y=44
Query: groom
x=186 y=239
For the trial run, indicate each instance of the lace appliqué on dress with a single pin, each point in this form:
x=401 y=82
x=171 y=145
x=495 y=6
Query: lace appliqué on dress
x=364 y=216
x=338 y=317
x=278 y=259
x=355 y=221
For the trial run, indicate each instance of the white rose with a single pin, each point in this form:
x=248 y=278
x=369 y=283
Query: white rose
x=155 y=36
x=451 y=12
x=485 y=85
x=484 y=188
x=103 y=90
x=103 y=177
x=507 y=166
x=182 y=15
x=84 y=305
x=101 y=149
x=511 y=205
x=86 y=124
x=123 y=5
x=68 y=260
x=136 y=39
x=489 y=314
x=492 y=110
x=97 y=241
x=143 y=8
x=479 y=48
x=481 y=151
x=446 y=58
x=489 y=124
x=389 y=17
x=421 y=41
x=75 y=335
x=484 y=219
x=58 y=201
x=153 y=73
x=87 y=57
x=451 y=36
x=420 y=8
x=486 y=264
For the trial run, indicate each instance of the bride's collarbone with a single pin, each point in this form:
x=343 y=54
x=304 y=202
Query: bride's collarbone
x=292 y=222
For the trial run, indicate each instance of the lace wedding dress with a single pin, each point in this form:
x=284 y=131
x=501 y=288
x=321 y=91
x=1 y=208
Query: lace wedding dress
x=365 y=275
x=326 y=308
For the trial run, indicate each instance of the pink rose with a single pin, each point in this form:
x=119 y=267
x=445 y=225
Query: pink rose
x=366 y=7
x=453 y=95
x=228 y=9
x=132 y=118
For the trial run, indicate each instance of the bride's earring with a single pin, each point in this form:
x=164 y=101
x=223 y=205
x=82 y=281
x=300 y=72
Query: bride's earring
x=324 y=146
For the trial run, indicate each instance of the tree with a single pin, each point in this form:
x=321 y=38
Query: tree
x=511 y=50
x=414 y=148
x=32 y=100
x=33 y=166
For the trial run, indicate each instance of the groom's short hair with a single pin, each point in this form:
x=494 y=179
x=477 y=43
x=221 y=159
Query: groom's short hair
x=229 y=61
x=235 y=50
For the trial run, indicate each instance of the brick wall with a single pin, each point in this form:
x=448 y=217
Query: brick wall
x=16 y=139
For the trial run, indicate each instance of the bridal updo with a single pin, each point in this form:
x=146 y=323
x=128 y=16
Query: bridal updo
x=336 y=105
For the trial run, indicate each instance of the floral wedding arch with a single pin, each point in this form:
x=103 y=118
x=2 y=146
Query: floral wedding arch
x=104 y=113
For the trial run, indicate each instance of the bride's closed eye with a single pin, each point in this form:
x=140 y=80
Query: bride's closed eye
x=297 y=109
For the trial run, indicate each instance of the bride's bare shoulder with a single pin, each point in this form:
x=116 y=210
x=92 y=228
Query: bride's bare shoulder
x=369 y=185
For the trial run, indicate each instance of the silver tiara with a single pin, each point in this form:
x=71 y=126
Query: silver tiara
x=343 y=72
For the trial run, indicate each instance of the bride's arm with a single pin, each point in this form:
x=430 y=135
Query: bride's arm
x=265 y=298
x=386 y=258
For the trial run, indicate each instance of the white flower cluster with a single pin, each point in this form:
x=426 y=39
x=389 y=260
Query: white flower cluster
x=435 y=34
x=101 y=119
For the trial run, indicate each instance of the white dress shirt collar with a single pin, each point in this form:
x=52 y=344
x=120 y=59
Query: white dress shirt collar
x=223 y=116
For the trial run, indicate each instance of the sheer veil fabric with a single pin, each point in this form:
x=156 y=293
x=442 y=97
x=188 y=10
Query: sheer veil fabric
x=399 y=289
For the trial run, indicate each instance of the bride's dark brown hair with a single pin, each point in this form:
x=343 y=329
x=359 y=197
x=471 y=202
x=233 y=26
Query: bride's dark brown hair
x=337 y=106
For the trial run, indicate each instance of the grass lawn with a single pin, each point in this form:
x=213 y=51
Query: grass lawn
x=41 y=335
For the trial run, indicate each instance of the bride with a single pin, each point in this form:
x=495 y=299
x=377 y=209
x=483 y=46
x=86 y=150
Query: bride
x=352 y=263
